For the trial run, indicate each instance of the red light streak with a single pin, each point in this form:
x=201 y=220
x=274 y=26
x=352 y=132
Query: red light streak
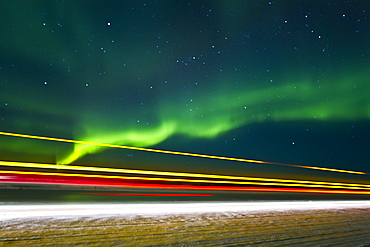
x=15 y=177
x=171 y=176
x=135 y=194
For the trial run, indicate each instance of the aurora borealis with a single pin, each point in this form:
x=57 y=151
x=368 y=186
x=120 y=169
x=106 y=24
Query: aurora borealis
x=282 y=81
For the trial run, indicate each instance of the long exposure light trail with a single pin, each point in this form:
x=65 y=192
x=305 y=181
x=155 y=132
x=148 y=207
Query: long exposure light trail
x=112 y=180
x=53 y=179
x=284 y=182
x=9 y=212
x=140 y=194
x=171 y=152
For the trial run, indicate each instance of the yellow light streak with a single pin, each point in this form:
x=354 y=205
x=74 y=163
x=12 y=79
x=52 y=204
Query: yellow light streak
x=171 y=152
x=266 y=181
x=328 y=169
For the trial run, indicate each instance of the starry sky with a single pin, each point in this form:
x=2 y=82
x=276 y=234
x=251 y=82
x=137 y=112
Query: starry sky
x=280 y=81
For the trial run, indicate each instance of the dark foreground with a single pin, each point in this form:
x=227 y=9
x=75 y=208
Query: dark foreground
x=318 y=227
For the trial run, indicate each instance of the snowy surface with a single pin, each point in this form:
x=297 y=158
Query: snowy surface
x=92 y=210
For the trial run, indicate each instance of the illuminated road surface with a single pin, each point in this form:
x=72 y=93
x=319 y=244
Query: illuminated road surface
x=334 y=223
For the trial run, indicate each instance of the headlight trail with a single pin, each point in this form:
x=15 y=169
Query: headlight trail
x=173 y=152
x=118 y=179
x=19 y=177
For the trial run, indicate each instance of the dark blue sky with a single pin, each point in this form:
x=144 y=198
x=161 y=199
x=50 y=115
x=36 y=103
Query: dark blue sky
x=279 y=81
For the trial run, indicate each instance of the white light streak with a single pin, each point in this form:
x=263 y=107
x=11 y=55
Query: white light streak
x=162 y=209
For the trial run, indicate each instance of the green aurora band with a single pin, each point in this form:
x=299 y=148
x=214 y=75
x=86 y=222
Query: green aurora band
x=346 y=99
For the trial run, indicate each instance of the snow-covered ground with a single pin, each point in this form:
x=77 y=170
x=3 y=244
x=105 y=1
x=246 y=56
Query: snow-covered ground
x=90 y=210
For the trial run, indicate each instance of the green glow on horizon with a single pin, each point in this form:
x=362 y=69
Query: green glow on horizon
x=212 y=114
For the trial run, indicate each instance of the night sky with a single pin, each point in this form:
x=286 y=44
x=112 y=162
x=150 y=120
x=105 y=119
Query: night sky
x=279 y=81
